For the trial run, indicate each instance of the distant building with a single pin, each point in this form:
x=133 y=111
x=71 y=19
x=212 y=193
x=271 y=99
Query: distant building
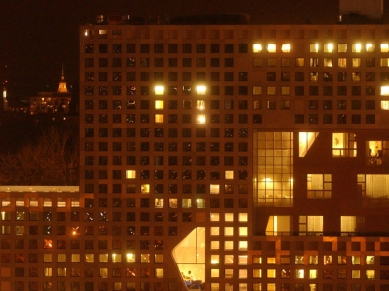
x=52 y=102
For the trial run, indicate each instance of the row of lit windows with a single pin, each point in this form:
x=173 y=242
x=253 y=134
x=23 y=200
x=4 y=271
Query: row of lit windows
x=171 y=189
x=242 y=48
x=242 y=90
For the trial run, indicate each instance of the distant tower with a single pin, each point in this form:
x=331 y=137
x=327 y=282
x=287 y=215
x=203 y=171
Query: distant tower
x=4 y=89
x=62 y=84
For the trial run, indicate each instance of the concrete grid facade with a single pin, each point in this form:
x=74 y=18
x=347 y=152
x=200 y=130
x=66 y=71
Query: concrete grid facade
x=255 y=155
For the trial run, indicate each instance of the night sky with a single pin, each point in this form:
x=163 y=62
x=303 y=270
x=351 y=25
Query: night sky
x=38 y=36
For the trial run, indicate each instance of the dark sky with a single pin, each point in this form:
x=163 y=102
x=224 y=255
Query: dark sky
x=38 y=36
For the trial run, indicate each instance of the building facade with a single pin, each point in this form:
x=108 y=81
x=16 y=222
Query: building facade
x=254 y=156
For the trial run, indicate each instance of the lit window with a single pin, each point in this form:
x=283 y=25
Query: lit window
x=215 y=274
x=271 y=90
x=47 y=202
x=214 y=259
x=159 y=273
x=130 y=174
x=47 y=272
x=229 y=217
x=384 y=62
x=356 y=274
x=215 y=231
x=228 y=231
x=348 y=224
x=311 y=225
x=328 y=62
x=285 y=48
x=242 y=245
x=200 y=119
x=342 y=62
x=271 y=273
x=186 y=203
x=342 y=48
x=356 y=48
x=158 y=104
x=243 y=217
x=370 y=274
x=356 y=62
x=228 y=259
x=214 y=217
x=257 y=48
x=229 y=174
x=328 y=47
x=89 y=258
x=116 y=258
x=61 y=258
x=75 y=258
x=214 y=189
x=158 y=118
x=243 y=231
x=229 y=245
x=159 y=90
x=47 y=258
x=103 y=258
x=384 y=48
x=200 y=104
x=145 y=188
x=385 y=104
x=33 y=202
x=319 y=186
x=344 y=145
x=200 y=203
x=278 y=225
x=257 y=90
x=130 y=258
x=271 y=48
x=384 y=91
x=314 y=48
x=370 y=47
x=215 y=245
x=285 y=91
x=201 y=90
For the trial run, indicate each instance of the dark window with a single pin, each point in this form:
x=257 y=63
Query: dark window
x=200 y=48
x=370 y=104
x=356 y=104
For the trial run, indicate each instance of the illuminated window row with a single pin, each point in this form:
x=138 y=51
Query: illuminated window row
x=312 y=225
x=271 y=48
x=343 y=47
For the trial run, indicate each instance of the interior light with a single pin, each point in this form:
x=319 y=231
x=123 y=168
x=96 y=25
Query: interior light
x=369 y=47
x=384 y=90
x=271 y=47
x=257 y=47
x=358 y=47
x=330 y=47
x=286 y=48
x=200 y=119
x=159 y=90
x=384 y=47
x=385 y=104
x=201 y=90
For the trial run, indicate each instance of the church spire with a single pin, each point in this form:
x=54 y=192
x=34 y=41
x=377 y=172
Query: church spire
x=62 y=84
